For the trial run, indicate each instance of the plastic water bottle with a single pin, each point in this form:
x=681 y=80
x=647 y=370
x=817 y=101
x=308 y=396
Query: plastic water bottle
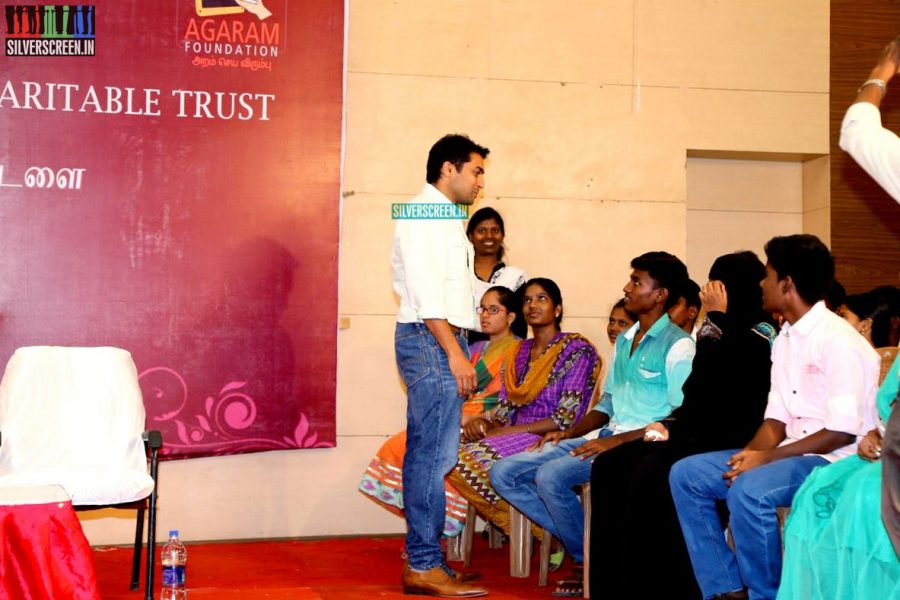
x=174 y=557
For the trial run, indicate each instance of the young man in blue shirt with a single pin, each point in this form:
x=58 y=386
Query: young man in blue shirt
x=652 y=361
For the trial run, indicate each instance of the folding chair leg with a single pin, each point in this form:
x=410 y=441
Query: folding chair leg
x=151 y=548
x=454 y=547
x=136 y=554
x=495 y=538
x=519 y=544
x=151 y=526
x=468 y=533
x=782 y=512
x=546 y=541
x=586 y=506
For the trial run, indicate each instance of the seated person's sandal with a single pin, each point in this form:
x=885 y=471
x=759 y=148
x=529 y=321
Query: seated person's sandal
x=572 y=586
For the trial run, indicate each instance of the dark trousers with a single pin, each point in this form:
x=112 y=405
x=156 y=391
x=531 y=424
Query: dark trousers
x=636 y=540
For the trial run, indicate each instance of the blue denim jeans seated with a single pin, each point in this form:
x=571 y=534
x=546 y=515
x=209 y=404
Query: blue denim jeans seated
x=697 y=483
x=539 y=485
x=433 y=416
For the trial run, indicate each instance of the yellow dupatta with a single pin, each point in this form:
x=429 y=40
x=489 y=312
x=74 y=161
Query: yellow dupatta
x=539 y=371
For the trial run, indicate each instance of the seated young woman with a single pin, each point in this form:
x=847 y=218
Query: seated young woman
x=636 y=538
x=547 y=385
x=870 y=315
x=383 y=479
x=835 y=542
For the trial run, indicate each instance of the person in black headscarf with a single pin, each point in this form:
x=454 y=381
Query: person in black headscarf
x=636 y=539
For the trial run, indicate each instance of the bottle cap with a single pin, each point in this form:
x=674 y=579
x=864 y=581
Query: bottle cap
x=173 y=533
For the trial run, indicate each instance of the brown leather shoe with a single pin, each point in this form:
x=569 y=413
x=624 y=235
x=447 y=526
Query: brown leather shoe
x=436 y=582
x=463 y=577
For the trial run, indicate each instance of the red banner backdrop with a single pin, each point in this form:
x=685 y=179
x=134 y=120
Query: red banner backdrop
x=169 y=184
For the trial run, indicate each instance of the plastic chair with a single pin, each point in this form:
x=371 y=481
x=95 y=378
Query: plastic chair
x=74 y=417
x=521 y=540
x=520 y=544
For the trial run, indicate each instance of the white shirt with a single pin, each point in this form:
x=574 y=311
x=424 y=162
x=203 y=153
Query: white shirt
x=824 y=376
x=431 y=262
x=507 y=276
x=876 y=149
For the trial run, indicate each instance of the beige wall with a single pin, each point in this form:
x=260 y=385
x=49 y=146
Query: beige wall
x=590 y=109
x=739 y=205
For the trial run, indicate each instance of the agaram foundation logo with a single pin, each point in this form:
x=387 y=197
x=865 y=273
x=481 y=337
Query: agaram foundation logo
x=237 y=34
x=50 y=30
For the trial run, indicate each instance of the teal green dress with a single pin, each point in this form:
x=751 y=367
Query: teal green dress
x=836 y=546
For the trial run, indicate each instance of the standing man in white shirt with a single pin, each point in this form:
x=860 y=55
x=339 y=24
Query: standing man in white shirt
x=432 y=271
x=876 y=149
x=824 y=377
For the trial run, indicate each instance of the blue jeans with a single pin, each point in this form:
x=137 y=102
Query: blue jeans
x=539 y=485
x=697 y=483
x=433 y=416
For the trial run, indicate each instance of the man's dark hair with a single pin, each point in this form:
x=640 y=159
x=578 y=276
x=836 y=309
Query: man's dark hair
x=835 y=296
x=690 y=291
x=455 y=148
x=806 y=260
x=666 y=270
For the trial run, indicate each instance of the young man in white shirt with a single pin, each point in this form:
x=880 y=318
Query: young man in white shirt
x=432 y=275
x=824 y=377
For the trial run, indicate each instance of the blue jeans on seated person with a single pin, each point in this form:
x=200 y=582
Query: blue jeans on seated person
x=697 y=483
x=540 y=485
x=433 y=414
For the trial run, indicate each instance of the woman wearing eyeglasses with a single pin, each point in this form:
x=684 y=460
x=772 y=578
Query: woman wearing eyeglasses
x=548 y=381
x=382 y=481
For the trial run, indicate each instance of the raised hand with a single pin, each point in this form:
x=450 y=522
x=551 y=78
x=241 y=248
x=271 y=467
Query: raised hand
x=714 y=296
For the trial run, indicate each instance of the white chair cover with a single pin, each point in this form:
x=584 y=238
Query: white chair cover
x=74 y=417
x=36 y=494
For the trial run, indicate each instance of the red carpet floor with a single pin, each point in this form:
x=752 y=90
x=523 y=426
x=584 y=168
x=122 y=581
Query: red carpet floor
x=355 y=568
